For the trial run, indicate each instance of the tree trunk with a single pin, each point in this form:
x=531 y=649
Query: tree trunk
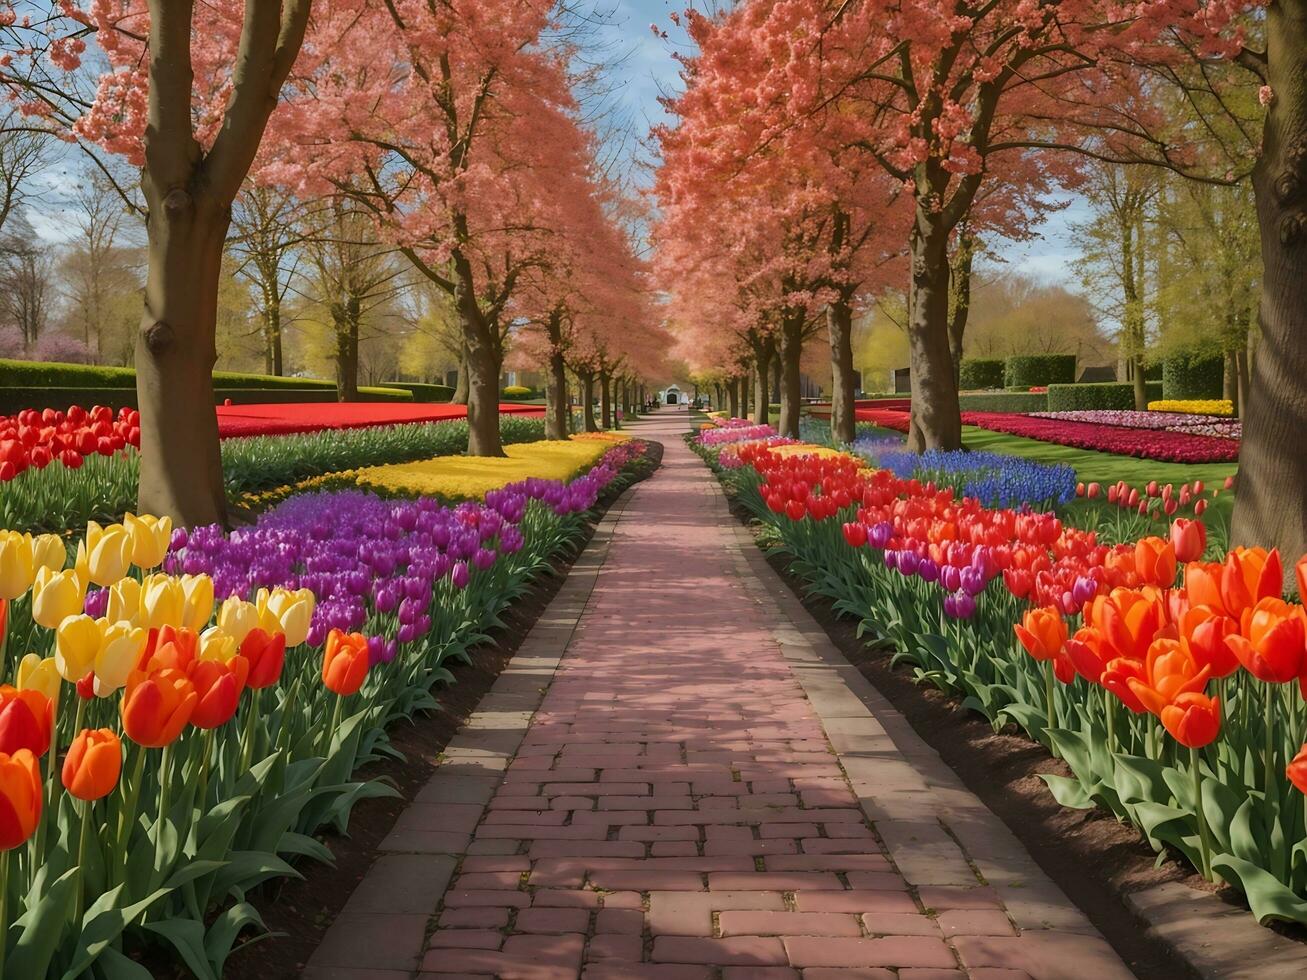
x=1230 y=381
x=745 y=390
x=733 y=398
x=1241 y=359
x=791 y=355
x=460 y=383
x=346 y=317
x=606 y=399
x=181 y=463
x=1271 y=507
x=480 y=341
x=763 y=356
x=843 y=407
x=557 y=410
x=272 y=356
x=960 y=301
x=936 y=421
x=588 y=398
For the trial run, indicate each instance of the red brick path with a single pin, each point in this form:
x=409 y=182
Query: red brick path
x=674 y=807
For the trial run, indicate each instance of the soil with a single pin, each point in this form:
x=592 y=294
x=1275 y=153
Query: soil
x=1094 y=859
x=299 y=911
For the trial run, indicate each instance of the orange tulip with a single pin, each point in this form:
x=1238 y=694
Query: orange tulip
x=1299 y=571
x=344 y=662
x=1202 y=583
x=1193 y=719
x=1204 y=631
x=1086 y=652
x=1188 y=539
x=93 y=764
x=1121 y=568
x=266 y=655
x=170 y=647
x=1116 y=678
x=1297 y=769
x=1270 y=641
x=26 y=721
x=1155 y=562
x=1128 y=619
x=1248 y=576
x=218 y=686
x=156 y=706
x=1042 y=632
x=20 y=798
x=1169 y=672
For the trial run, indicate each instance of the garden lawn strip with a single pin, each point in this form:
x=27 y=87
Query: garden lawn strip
x=302 y=910
x=674 y=805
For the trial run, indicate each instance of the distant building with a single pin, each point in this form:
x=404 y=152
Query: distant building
x=673 y=395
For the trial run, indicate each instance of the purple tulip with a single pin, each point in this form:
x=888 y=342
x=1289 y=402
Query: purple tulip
x=878 y=535
x=459 y=576
x=928 y=570
x=973 y=581
x=483 y=558
x=950 y=578
x=1084 y=589
x=908 y=562
x=97 y=603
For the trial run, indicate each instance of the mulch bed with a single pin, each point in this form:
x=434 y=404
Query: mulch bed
x=1094 y=859
x=299 y=911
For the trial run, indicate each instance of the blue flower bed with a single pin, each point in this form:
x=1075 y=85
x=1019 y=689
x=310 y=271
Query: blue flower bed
x=995 y=479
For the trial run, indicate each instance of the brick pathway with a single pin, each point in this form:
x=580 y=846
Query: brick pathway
x=678 y=777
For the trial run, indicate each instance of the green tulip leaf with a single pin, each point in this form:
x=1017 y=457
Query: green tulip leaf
x=245 y=869
x=187 y=937
x=1067 y=792
x=103 y=923
x=42 y=928
x=113 y=965
x=222 y=935
x=1269 y=899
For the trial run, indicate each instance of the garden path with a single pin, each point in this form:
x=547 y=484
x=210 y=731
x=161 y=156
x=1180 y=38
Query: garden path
x=679 y=776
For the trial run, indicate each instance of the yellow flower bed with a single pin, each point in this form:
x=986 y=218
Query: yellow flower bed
x=805 y=449
x=471 y=477
x=1195 y=406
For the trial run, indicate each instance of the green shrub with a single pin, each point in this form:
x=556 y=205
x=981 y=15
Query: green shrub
x=981 y=372
x=371 y=394
x=1188 y=377
x=51 y=374
x=1032 y=370
x=1114 y=395
x=426 y=393
x=1004 y=401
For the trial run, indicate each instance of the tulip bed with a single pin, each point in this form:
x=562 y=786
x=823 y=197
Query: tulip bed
x=212 y=693
x=59 y=497
x=1172 y=685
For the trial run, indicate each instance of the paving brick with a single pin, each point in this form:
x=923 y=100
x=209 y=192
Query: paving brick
x=738 y=951
x=788 y=924
x=895 y=952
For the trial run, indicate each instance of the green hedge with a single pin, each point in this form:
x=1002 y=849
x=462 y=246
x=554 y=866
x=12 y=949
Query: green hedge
x=980 y=372
x=51 y=374
x=423 y=392
x=17 y=398
x=1115 y=395
x=1193 y=376
x=1031 y=370
x=1004 y=401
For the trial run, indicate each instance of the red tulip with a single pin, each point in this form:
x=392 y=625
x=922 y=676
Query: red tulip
x=1193 y=719
x=1188 y=539
x=1297 y=770
x=855 y=534
x=156 y=706
x=20 y=798
x=26 y=721
x=218 y=687
x=265 y=654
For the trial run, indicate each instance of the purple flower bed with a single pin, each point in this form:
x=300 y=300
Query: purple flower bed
x=1203 y=425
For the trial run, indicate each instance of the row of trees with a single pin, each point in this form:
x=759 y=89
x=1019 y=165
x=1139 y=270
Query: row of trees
x=824 y=147
x=451 y=128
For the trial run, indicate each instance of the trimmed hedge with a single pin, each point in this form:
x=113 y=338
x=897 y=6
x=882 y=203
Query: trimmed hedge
x=425 y=393
x=1193 y=378
x=1004 y=401
x=980 y=372
x=1113 y=395
x=16 y=399
x=51 y=374
x=1031 y=370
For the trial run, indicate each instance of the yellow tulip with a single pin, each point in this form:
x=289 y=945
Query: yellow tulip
x=124 y=601
x=150 y=537
x=106 y=554
x=217 y=644
x=76 y=643
x=199 y=601
x=283 y=611
x=16 y=569
x=121 y=647
x=37 y=674
x=48 y=550
x=56 y=596
x=163 y=602
x=236 y=618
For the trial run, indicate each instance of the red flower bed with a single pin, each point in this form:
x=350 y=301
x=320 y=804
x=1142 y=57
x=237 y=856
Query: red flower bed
x=1168 y=447
x=37 y=438
x=269 y=420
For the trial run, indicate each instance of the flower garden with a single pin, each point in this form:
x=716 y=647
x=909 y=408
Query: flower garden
x=184 y=710
x=1166 y=670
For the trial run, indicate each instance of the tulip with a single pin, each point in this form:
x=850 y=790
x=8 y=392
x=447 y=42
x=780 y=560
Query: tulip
x=1085 y=652
x=124 y=601
x=37 y=674
x=1193 y=719
x=1188 y=540
x=106 y=554
x=1155 y=562
x=1202 y=583
x=56 y=596
x=121 y=646
x=1200 y=508
x=265 y=654
x=216 y=644
x=1043 y=632
x=1300 y=573
x=20 y=798
x=48 y=551
x=93 y=764
x=344 y=662
x=26 y=721
x=16 y=565
x=855 y=534
x=1128 y=620
x=1270 y=641
x=149 y=537
x=1297 y=770
x=1204 y=632
x=171 y=647
x=218 y=687
x=1169 y=672
x=156 y=706
x=287 y=612
x=236 y=617
x=76 y=643
x=1094 y=491
x=163 y=602
x=1249 y=575
x=198 y=591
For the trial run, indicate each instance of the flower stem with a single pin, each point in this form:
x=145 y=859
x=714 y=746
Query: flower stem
x=1204 y=843
x=4 y=908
